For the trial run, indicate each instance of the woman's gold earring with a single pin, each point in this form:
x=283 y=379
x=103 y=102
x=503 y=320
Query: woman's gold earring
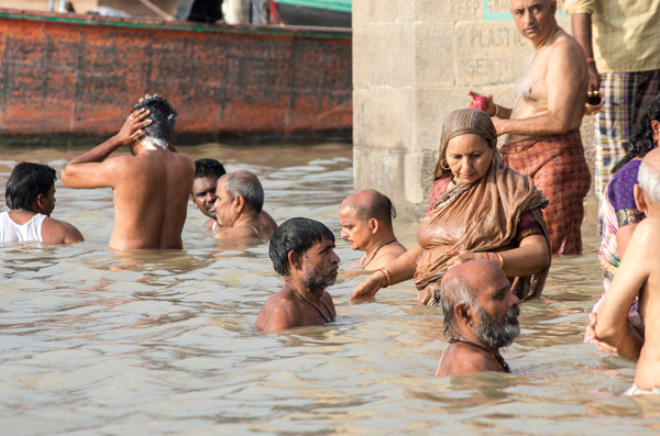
x=443 y=166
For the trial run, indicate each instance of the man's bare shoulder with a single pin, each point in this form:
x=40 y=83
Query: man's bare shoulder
x=279 y=312
x=459 y=360
x=566 y=45
x=60 y=232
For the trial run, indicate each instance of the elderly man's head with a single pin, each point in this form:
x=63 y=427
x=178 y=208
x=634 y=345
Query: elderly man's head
x=647 y=192
x=364 y=214
x=475 y=296
x=237 y=193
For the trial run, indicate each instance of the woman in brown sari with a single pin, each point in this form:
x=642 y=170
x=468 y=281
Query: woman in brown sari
x=478 y=209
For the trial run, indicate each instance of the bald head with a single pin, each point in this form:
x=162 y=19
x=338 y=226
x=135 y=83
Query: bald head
x=369 y=204
x=649 y=175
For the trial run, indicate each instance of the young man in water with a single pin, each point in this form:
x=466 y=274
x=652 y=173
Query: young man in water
x=207 y=173
x=638 y=276
x=238 y=208
x=30 y=197
x=150 y=187
x=543 y=127
x=302 y=251
x=480 y=314
x=366 y=223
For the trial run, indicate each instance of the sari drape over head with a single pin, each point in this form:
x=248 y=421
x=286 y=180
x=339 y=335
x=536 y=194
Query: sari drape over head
x=481 y=216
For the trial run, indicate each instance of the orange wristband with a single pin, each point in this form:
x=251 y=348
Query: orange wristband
x=591 y=61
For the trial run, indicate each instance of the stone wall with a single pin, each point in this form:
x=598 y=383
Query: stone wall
x=413 y=63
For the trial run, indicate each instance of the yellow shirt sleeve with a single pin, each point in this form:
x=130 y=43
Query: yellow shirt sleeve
x=573 y=7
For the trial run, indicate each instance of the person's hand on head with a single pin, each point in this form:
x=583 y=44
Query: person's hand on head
x=131 y=131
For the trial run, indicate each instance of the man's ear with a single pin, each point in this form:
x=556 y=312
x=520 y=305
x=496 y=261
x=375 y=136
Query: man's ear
x=373 y=225
x=553 y=6
x=38 y=203
x=641 y=199
x=238 y=203
x=295 y=260
x=463 y=314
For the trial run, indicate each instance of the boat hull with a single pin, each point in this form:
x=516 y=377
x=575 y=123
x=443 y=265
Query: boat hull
x=80 y=75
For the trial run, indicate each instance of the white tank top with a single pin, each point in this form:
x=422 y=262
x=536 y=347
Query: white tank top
x=11 y=232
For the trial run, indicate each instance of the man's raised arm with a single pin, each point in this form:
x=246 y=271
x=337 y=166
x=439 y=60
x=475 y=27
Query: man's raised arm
x=89 y=170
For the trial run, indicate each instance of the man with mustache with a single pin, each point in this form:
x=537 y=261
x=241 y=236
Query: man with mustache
x=480 y=315
x=302 y=251
x=543 y=126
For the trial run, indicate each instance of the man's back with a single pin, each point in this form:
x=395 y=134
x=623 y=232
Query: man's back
x=150 y=197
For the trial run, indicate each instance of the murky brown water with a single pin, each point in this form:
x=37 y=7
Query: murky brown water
x=94 y=343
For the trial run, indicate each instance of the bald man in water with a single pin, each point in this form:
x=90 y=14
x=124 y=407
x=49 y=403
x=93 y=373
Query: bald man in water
x=150 y=187
x=480 y=314
x=543 y=127
x=638 y=275
x=366 y=223
x=238 y=208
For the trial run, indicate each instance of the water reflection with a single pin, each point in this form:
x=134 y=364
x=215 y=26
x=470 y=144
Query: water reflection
x=95 y=341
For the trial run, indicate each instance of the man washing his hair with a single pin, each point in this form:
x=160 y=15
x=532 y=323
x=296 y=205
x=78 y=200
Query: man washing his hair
x=150 y=187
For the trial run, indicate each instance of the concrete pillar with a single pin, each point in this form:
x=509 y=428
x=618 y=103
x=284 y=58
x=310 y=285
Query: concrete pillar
x=413 y=63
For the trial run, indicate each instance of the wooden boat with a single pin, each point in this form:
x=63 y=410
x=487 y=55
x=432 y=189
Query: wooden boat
x=81 y=74
x=331 y=13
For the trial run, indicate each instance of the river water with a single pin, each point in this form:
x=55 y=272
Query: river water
x=92 y=342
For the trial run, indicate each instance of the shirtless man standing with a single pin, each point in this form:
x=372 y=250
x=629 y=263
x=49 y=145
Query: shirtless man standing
x=638 y=274
x=302 y=251
x=238 y=208
x=480 y=315
x=543 y=127
x=150 y=187
x=366 y=223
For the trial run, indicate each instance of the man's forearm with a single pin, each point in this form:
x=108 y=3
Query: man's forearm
x=541 y=125
x=98 y=153
x=582 y=32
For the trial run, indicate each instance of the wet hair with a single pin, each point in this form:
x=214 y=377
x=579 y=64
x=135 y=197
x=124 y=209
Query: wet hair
x=649 y=180
x=297 y=234
x=641 y=140
x=380 y=208
x=162 y=115
x=454 y=290
x=26 y=181
x=247 y=185
x=209 y=168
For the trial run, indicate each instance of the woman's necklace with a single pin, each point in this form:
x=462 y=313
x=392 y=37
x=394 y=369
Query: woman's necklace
x=312 y=304
x=364 y=265
x=496 y=355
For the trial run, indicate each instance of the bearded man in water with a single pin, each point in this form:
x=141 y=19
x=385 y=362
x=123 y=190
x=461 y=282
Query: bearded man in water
x=480 y=315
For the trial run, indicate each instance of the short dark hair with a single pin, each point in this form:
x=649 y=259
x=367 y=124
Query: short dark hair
x=162 y=115
x=209 y=168
x=297 y=234
x=248 y=186
x=26 y=181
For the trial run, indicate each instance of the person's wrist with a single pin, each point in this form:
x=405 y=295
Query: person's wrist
x=387 y=276
x=496 y=110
